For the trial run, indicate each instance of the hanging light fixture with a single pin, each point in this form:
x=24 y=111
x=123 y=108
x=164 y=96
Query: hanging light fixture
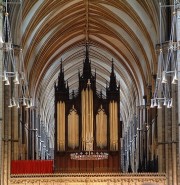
x=13 y=67
x=159 y=105
x=10 y=103
x=28 y=104
x=164 y=79
x=175 y=79
x=13 y=102
x=24 y=101
x=7 y=82
x=167 y=67
x=152 y=103
x=16 y=79
x=9 y=62
x=155 y=103
x=90 y=154
x=168 y=105
x=165 y=102
x=18 y=105
x=171 y=102
x=5 y=78
x=23 y=98
x=31 y=103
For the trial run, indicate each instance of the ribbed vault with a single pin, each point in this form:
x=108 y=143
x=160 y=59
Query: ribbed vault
x=55 y=31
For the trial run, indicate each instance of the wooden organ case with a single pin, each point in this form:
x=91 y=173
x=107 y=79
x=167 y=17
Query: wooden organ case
x=87 y=122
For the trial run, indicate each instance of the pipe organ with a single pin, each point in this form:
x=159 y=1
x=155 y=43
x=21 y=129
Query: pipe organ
x=87 y=121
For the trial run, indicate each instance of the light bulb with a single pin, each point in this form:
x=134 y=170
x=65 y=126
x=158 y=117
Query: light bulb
x=175 y=79
x=155 y=103
x=10 y=104
x=24 y=101
x=152 y=105
x=171 y=102
x=175 y=75
x=18 y=105
x=165 y=103
x=164 y=80
x=7 y=82
x=159 y=105
x=16 y=79
x=13 y=102
x=28 y=106
x=168 y=105
x=5 y=78
x=31 y=104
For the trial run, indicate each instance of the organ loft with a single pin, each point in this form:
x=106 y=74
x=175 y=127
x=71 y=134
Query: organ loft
x=87 y=124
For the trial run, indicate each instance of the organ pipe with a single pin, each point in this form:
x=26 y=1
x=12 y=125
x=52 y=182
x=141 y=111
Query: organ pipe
x=113 y=110
x=60 y=126
x=73 y=130
x=87 y=119
x=101 y=129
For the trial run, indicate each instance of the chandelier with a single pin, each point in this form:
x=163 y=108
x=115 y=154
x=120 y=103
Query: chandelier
x=90 y=155
x=167 y=67
x=9 y=62
x=13 y=67
x=23 y=97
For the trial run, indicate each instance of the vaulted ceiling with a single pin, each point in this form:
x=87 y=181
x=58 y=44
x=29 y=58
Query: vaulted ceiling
x=123 y=30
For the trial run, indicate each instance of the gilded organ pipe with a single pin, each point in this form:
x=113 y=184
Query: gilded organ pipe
x=113 y=126
x=61 y=126
x=87 y=118
x=73 y=130
x=58 y=126
x=101 y=129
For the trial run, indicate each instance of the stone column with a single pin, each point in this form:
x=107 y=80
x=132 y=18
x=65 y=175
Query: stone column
x=1 y=98
x=139 y=167
x=174 y=129
x=161 y=151
x=167 y=143
x=14 y=133
x=6 y=137
x=5 y=119
x=178 y=61
x=174 y=136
